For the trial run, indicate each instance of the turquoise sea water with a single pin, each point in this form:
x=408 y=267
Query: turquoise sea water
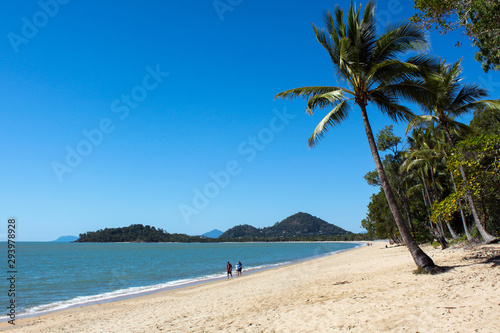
x=54 y=276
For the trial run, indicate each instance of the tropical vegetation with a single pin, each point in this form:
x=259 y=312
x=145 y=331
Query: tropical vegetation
x=369 y=70
x=137 y=233
x=444 y=176
x=298 y=227
x=478 y=19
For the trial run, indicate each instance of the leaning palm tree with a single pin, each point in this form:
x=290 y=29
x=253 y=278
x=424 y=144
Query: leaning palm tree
x=448 y=98
x=368 y=64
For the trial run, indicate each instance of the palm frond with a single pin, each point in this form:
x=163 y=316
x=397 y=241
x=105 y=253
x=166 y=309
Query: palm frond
x=390 y=106
x=392 y=71
x=324 y=100
x=397 y=40
x=477 y=105
x=307 y=92
x=467 y=95
x=369 y=15
x=334 y=117
x=424 y=62
x=352 y=21
x=330 y=27
x=413 y=90
x=419 y=120
x=324 y=39
x=339 y=19
x=368 y=34
x=458 y=127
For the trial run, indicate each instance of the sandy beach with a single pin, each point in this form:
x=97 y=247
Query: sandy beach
x=369 y=289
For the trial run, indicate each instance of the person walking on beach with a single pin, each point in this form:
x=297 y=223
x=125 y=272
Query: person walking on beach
x=229 y=268
x=239 y=266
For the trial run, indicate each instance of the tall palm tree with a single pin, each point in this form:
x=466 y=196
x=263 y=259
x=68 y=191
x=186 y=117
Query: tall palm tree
x=370 y=67
x=446 y=99
x=426 y=157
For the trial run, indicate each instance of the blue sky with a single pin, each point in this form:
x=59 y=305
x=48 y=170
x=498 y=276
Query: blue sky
x=115 y=113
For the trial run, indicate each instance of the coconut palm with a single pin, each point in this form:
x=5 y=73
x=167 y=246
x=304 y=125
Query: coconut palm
x=368 y=64
x=427 y=157
x=448 y=98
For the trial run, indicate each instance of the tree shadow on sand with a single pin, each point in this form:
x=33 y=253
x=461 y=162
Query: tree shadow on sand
x=493 y=260
x=475 y=256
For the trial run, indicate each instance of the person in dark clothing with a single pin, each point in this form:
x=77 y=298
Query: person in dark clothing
x=229 y=268
x=239 y=267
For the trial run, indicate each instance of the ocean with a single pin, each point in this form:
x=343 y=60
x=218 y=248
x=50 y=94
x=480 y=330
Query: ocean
x=55 y=276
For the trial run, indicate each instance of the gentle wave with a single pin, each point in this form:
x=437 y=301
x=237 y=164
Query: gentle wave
x=136 y=291
x=125 y=293
x=110 y=296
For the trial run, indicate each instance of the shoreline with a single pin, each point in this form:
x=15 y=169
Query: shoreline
x=134 y=292
x=369 y=288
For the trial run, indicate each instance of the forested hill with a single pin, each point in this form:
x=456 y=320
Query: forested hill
x=298 y=225
x=136 y=233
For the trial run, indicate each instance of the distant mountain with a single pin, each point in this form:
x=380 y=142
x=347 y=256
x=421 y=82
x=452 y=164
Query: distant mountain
x=297 y=225
x=213 y=234
x=66 y=239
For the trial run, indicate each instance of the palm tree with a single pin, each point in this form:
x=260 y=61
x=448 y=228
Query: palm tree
x=369 y=65
x=427 y=158
x=447 y=99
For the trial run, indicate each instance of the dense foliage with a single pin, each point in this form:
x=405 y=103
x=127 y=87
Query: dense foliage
x=379 y=221
x=479 y=156
x=137 y=233
x=434 y=189
x=240 y=231
x=316 y=238
x=479 y=18
x=486 y=122
x=297 y=225
x=369 y=70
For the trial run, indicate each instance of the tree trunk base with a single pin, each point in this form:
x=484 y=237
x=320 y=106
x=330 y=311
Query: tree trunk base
x=442 y=241
x=434 y=269
x=491 y=240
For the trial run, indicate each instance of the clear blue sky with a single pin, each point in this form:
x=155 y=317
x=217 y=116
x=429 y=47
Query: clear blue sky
x=157 y=98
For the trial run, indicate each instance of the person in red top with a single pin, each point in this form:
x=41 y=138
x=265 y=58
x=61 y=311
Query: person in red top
x=229 y=269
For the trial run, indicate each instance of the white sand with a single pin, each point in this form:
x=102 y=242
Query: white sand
x=370 y=289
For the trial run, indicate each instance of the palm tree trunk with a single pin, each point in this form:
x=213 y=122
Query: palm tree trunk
x=436 y=198
x=466 y=228
x=438 y=232
x=464 y=222
x=452 y=231
x=425 y=194
x=485 y=211
x=427 y=208
x=486 y=236
x=435 y=231
x=421 y=259
x=434 y=186
x=406 y=205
